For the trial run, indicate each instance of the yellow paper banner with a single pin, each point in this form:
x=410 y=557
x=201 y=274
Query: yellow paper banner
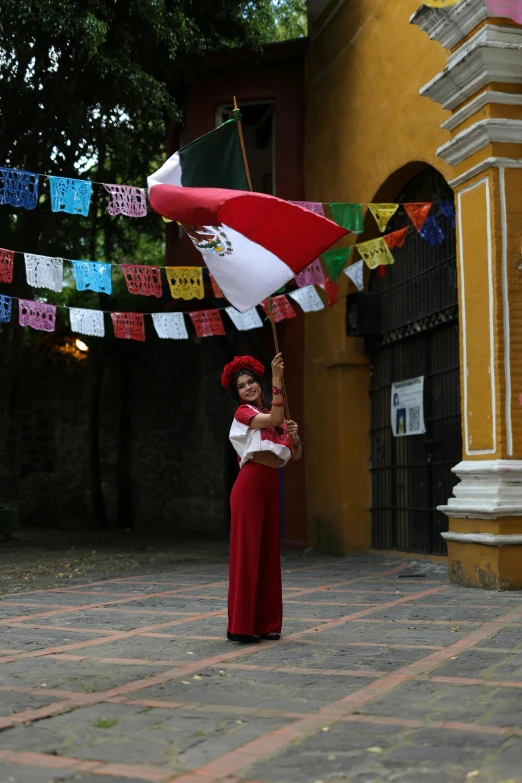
x=382 y=214
x=375 y=253
x=185 y=282
x=441 y=3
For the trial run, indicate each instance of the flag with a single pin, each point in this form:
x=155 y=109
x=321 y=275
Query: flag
x=375 y=252
x=212 y=161
x=382 y=214
x=355 y=273
x=87 y=321
x=244 y=321
x=252 y=243
x=278 y=308
x=418 y=213
x=6 y=265
x=396 y=238
x=308 y=299
x=335 y=261
x=170 y=326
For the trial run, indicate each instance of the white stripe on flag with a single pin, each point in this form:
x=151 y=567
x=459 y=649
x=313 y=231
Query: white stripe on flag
x=168 y=174
x=249 y=274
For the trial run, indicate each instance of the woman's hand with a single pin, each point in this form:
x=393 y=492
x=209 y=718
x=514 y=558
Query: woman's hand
x=293 y=431
x=277 y=369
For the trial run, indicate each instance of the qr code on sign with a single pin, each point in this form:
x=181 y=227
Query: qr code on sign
x=414 y=419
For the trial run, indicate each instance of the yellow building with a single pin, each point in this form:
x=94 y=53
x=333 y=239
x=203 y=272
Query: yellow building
x=420 y=104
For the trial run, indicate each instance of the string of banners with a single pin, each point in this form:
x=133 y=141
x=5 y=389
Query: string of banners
x=19 y=188
x=131 y=326
x=187 y=282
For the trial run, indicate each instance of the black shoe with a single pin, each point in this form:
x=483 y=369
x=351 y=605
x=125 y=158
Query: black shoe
x=271 y=637
x=243 y=638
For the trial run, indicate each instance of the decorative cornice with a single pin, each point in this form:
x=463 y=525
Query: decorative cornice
x=472 y=68
x=488 y=489
x=477 y=103
x=486 y=539
x=449 y=26
x=478 y=136
x=493 y=162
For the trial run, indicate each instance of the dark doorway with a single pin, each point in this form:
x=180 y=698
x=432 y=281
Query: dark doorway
x=412 y=475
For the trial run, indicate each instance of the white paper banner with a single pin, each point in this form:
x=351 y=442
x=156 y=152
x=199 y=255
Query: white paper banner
x=84 y=321
x=407 y=407
x=355 y=273
x=170 y=326
x=308 y=299
x=244 y=321
x=44 y=272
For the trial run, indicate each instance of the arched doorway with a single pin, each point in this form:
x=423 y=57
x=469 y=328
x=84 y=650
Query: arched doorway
x=419 y=336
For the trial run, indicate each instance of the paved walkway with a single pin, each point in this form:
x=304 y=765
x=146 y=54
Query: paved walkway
x=378 y=679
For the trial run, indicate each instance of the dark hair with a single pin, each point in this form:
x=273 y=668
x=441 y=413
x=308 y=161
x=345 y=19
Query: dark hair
x=235 y=393
x=233 y=386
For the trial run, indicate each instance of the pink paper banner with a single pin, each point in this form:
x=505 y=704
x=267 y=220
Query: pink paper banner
x=509 y=9
x=311 y=275
x=38 y=315
x=313 y=206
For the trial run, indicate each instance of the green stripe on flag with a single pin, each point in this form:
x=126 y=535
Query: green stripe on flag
x=214 y=160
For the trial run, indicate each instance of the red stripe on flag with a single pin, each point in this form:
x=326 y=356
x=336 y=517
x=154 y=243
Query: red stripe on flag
x=292 y=233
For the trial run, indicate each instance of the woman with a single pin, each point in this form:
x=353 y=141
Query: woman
x=264 y=443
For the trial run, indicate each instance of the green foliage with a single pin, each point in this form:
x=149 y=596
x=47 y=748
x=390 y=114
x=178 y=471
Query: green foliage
x=104 y=723
x=87 y=88
x=290 y=20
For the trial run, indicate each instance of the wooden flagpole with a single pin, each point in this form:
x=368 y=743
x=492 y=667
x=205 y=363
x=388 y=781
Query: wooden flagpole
x=270 y=308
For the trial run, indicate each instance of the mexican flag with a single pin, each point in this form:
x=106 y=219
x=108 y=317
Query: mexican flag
x=252 y=243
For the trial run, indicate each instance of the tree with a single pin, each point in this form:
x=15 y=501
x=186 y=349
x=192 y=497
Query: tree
x=87 y=88
x=290 y=19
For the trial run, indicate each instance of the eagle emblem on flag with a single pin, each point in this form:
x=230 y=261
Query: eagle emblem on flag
x=211 y=238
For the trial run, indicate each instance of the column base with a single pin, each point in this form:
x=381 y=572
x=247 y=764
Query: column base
x=489 y=560
x=485 y=525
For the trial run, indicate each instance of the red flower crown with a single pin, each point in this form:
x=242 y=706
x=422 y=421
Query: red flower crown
x=240 y=363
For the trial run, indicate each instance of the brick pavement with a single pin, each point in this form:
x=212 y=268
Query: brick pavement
x=377 y=679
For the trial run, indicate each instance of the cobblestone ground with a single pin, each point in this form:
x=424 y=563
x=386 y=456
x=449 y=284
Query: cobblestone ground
x=378 y=679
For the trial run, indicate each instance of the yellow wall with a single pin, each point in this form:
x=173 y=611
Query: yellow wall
x=365 y=121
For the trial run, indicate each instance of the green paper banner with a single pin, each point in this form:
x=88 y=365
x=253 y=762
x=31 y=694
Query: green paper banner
x=335 y=260
x=349 y=216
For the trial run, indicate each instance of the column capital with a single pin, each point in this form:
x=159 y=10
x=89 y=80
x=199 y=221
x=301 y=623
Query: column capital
x=449 y=26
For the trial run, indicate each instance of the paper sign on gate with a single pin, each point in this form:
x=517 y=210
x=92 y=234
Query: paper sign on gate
x=407 y=407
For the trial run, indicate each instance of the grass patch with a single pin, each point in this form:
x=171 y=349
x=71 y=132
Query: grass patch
x=88 y=688
x=144 y=710
x=104 y=723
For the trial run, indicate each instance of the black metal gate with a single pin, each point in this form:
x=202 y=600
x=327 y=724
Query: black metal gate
x=412 y=475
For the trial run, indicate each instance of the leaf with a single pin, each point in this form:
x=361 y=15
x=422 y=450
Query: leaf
x=197 y=677
x=374 y=749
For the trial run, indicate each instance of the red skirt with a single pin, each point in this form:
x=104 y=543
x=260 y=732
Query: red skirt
x=255 y=599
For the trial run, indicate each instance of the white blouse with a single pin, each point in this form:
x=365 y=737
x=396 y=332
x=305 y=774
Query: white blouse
x=247 y=440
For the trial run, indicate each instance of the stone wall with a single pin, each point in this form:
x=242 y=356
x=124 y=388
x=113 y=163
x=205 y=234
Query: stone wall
x=165 y=459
